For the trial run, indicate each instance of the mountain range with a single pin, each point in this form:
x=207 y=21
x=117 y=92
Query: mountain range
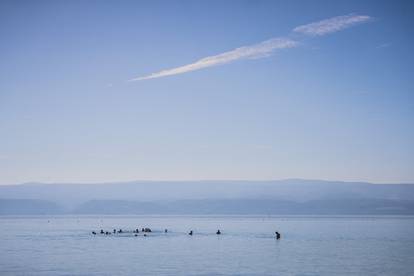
x=278 y=197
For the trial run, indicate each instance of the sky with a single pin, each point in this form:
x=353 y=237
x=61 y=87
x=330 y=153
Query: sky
x=99 y=91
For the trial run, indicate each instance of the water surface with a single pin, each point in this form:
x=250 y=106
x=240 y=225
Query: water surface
x=310 y=245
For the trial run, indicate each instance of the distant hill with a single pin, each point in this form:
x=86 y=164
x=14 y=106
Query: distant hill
x=249 y=207
x=29 y=207
x=293 y=196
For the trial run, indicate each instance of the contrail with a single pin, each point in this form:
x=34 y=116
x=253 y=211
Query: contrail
x=246 y=52
x=265 y=48
x=331 y=25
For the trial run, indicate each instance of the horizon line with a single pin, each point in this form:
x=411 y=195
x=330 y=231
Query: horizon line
x=206 y=180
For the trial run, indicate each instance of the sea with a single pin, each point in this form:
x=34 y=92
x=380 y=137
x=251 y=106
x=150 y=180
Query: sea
x=309 y=245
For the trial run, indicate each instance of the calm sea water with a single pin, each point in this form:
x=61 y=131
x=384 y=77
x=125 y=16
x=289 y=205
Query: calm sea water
x=309 y=246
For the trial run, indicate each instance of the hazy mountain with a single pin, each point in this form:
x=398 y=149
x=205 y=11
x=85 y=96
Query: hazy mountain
x=250 y=207
x=238 y=197
x=29 y=207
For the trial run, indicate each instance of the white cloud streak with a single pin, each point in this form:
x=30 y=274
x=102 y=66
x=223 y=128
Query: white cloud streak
x=262 y=49
x=331 y=25
x=265 y=48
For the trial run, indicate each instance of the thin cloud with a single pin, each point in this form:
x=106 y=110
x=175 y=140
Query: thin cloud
x=384 y=45
x=259 y=50
x=331 y=25
x=265 y=48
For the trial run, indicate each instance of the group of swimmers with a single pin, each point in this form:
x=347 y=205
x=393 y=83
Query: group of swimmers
x=148 y=230
x=120 y=231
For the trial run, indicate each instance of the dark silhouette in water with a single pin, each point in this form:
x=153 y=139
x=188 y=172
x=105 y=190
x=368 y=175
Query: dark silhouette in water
x=277 y=235
x=148 y=230
x=142 y=230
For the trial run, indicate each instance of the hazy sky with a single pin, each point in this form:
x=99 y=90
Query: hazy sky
x=115 y=90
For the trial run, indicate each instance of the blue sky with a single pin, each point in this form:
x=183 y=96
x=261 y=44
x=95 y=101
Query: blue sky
x=338 y=106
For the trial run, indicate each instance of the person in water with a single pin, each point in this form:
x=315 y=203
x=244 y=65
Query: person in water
x=277 y=235
x=114 y=231
x=165 y=231
x=102 y=231
x=93 y=232
x=218 y=232
x=191 y=233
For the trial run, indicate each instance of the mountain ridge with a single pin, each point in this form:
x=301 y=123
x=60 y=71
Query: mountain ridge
x=297 y=192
